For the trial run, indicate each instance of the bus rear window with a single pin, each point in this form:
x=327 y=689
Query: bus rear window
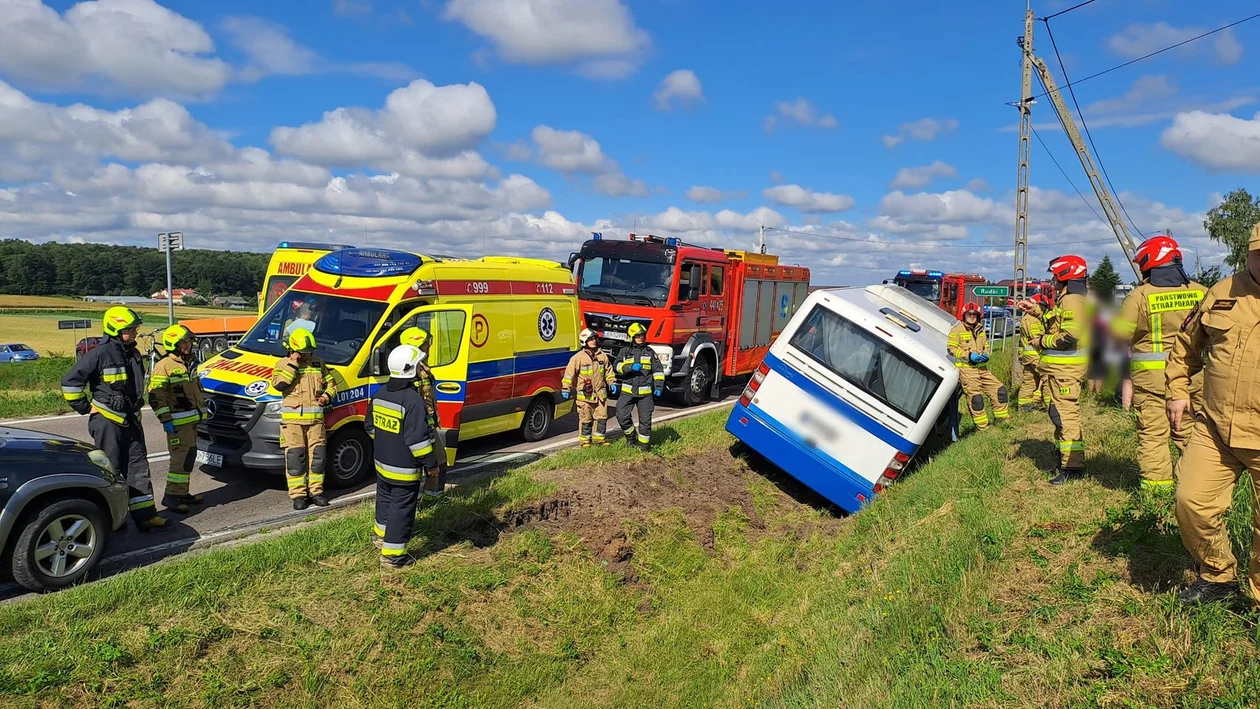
x=866 y=362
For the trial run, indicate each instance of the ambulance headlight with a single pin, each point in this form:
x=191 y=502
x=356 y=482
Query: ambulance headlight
x=664 y=355
x=272 y=411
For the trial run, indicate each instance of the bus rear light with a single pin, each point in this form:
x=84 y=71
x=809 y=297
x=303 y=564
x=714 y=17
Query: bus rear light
x=754 y=384
x=894 y=469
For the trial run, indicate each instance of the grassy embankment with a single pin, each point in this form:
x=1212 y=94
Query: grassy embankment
x=970 y=582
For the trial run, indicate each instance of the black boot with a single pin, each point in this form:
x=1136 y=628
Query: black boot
x=301 y=503
x=645 y=447
x=1200 y=592
x=1067 y=474
x=319 y=500
x=1027 y=408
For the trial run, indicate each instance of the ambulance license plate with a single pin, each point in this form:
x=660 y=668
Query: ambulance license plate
x=213 y=460
x=610 y=335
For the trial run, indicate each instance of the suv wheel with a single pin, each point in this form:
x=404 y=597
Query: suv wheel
x=349 y=458
x=60 y=545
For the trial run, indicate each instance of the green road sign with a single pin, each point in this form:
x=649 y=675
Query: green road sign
x=992 y=291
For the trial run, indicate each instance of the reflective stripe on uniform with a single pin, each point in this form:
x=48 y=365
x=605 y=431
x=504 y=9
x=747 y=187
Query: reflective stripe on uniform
x=396 y=409
x=73 y=393
x=177 y=478
x=1142 y=361
x=643 y=391
x=109 y=413
x=393 y=549
x=422 y=448
x=378 y=529
x=140 y=502
x=396 y=473
x=644 y=439
x=1071 y=446
x=111 y=375
x=180 y=418
x=301 y=413
x=1064 y=357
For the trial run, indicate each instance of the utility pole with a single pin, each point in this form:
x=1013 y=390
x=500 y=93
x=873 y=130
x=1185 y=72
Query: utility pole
x=168 y=242
x=1019 y=283
x=761 y=240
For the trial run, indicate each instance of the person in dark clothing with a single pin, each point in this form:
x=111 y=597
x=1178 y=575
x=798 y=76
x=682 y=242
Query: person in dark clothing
x=640 y=378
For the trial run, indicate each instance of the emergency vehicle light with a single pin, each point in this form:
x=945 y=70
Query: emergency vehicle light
x=936 y=274
x=369 y=263
x=597 y=236
x=671 y=241
x=904 y=272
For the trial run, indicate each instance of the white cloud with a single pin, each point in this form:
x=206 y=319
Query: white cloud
x=807 y=200
x=573 y=152
x=710 y=195
x=432 y=120
x=977 y=184
x=679 y=88
x=616 y=184
x=1140 y=39
x=271 y=51
x=598 y=36
x=801 y=112
x=1215 y=141
x=135 y=47
x=954 y=206
x=924 y=129
x=916 y=177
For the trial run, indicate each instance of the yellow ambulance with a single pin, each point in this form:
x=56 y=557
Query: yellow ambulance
x=502 y=328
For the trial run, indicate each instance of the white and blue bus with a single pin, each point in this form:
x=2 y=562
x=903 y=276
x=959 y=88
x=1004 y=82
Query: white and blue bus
x=857 y=382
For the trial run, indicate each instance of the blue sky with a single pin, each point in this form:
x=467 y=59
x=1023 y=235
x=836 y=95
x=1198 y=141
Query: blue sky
x=878 y=131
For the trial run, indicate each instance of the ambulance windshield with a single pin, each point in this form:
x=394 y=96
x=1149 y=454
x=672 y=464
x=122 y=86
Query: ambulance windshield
x=340 y=325
x=625 y=280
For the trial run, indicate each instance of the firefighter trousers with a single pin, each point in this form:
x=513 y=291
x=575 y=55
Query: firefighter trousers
x=304 y=453
x=1065 y=414
x=625 y=410
x=592 y=416
x=1153 y=433
x=977 y=383
x=1205 y=489
x=395 y=514
x=1032 y=389
x=183 y=448
x=124 y=446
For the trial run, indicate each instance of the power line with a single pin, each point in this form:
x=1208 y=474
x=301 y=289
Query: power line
x=1097 y=156
x=1152 y=54
x=1065 y=176
x=1064 y=12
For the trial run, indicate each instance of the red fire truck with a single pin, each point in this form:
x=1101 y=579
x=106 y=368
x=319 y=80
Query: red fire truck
x=948 y=291
x=710 y=313
x=1045 y=288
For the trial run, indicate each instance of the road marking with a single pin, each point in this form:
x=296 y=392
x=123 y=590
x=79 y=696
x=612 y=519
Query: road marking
x=67 y=416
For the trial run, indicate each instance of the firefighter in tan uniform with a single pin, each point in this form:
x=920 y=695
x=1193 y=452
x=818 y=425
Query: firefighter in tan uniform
x=590 y=373
x=1031 y=390
x=308 y=387
x=1064 y=360
x=1149 y=321
x=435 y=478
x=1225 y=442
x=969 y=346
x=176 y=398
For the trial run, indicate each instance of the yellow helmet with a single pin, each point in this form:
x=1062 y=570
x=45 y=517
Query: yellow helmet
x=173 y=335
x=119 y=318
x=635 y=330
x=301 y=340
x=414 y=336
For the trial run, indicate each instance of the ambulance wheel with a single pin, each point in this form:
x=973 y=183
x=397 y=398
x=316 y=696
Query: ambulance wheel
x=538 y=418
x=349 y=458
x=699 y=381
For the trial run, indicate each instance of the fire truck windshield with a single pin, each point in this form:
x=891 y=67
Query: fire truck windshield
x=927 y=288
x=625 y=279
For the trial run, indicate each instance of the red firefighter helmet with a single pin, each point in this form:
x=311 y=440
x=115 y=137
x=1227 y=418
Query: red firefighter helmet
x=1068 y=268
x=971 y=308
x=1040 y=299
x=1159 y=250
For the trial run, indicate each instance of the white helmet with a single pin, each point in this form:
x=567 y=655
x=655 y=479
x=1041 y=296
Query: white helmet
x=403 y=360
x=585 y=336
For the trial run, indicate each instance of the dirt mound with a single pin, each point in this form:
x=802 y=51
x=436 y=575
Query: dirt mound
x=595 y=504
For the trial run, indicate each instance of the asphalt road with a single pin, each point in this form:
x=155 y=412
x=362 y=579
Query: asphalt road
x=238 y=501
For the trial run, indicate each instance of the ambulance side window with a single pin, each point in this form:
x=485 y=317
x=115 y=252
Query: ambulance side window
x=446 y=334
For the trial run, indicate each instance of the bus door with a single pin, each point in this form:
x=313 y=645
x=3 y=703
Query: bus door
x=449 y=328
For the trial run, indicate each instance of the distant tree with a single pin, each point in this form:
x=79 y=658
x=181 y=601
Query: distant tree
x=1208 y=277
x=1105 y=280
x=1230 y=223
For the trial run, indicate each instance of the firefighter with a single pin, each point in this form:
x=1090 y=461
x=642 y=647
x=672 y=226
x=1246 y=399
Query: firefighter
x=1225 y=438
x=969 y=346
x=1148 y=323
x=436 y=484
x=308 y=387
x=177 y=401
x=593 y=370
x=402 y=446
x=641 y=379
x=108 y=384
x=1031 y=391
x=1064 y=361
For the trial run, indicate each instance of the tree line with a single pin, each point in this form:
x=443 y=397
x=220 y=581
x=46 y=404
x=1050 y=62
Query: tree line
x=100 y=269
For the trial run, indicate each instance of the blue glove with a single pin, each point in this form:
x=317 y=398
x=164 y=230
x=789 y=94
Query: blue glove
x=612 y=389
x=974 y=358
x=656 y=393
x=984 y=358
x=637 y=367
x=564 y=394
x=169 y=428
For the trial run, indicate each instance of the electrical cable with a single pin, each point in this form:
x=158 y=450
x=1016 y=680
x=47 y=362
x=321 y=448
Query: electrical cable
x=1064 y=12
x=1065 y=176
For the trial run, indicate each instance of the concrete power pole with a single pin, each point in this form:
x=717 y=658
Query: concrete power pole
x=1019 y=284
x=761 y=240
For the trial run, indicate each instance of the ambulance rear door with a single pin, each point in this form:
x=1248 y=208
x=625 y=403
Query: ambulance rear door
x=449 y=327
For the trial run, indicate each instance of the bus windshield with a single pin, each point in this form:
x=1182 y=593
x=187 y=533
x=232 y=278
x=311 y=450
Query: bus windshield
x=340 y=325
x=866 y=362
x=618 y=278
x=928 y=289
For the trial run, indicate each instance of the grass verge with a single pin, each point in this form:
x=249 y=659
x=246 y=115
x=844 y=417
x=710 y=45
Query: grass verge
x=970 y=582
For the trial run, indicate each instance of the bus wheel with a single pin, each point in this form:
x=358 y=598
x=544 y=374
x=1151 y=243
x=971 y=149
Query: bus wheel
x=699 y=382
x=349 y=458
x=220 y=344
x=538 y=418
x=206 y=345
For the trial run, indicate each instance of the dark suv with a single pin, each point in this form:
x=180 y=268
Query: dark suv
x=59 y=501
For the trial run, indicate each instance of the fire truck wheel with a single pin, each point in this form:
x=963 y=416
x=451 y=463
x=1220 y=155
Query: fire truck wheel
x=348 y=459
x=538 y=418
x=206 y=345
x=220 y=344
x=699 y=381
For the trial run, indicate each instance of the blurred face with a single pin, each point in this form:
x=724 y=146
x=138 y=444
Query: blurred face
x=971 y=318
x=640 y=338
x=128 y=336
x=1253 y=264
x=592 y=343
x=185 y=346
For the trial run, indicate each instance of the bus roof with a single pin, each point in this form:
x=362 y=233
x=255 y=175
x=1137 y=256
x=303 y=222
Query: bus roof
x=928 y=345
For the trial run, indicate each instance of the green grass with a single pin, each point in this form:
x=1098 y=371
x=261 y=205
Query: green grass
x=969 y=582
x=33 y=388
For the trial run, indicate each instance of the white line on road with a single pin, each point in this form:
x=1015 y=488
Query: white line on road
x=68 y=416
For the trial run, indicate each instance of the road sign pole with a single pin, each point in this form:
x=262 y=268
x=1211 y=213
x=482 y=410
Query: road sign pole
x=170 y=241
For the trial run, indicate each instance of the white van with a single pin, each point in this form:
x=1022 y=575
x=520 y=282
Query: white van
x=856 y=383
